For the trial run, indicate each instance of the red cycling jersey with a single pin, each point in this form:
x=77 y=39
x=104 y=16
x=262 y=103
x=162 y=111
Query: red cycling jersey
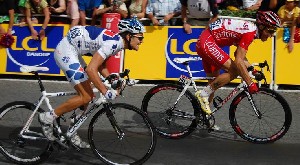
x=223 y=32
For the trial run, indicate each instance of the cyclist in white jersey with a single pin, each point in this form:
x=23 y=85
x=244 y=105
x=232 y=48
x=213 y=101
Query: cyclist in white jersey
x=227 y=32
x=101 y=44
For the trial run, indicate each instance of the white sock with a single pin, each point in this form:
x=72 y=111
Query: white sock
x=206 y=91
x=50 y=117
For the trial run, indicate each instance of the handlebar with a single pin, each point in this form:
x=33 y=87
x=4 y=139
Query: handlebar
x=120 y=83
x=259 y=75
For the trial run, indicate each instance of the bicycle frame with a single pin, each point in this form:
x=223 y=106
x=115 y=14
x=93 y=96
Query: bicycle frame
x=45 y=98
x=187 y=81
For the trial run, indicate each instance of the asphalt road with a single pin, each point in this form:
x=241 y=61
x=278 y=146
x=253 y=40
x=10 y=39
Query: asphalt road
x=200 y=148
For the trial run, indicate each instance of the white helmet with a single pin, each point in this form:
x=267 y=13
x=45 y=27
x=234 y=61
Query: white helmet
x=131 y=25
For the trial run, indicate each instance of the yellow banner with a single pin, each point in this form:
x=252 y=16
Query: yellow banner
x=154 y=60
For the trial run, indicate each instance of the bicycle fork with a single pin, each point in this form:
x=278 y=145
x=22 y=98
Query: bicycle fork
x=113 y=122
x=252 y=103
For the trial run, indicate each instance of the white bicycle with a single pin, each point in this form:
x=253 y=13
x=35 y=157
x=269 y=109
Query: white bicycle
x=261 y=118
x=118 y=133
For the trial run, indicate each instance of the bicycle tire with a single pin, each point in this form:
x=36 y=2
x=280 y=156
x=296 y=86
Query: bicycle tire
x=135 y=147
x=158 y=103
x=276 y=116
x=13 y=117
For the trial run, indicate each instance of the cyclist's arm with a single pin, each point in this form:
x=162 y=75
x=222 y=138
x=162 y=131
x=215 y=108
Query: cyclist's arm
x=103 y=70
x=240 y=56
x=247 y=62
x=92 y=71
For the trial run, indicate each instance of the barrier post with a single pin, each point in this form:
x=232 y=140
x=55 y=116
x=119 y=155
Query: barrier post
x=110 y=21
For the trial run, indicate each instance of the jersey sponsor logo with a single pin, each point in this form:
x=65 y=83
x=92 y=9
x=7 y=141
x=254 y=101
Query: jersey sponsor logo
x=76 y=72
x=211 y=46
x=28 y=52
x=219 y=34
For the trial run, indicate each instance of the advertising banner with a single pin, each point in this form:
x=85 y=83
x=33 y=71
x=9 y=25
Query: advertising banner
x=26 y=51
x=286 y=62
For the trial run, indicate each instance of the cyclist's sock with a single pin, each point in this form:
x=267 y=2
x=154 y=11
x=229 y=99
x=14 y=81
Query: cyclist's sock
x=207 y=91
x=50 y=117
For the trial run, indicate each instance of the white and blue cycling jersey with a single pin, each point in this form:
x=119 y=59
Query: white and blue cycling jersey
x=89 y=39
x=85 y=40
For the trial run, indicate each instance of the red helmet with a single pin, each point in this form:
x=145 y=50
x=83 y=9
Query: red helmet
x=268 y=18
x=7 y=40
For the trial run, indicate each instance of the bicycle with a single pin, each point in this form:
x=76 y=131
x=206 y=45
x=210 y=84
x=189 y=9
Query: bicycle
x=176 y=112
x=118 y=133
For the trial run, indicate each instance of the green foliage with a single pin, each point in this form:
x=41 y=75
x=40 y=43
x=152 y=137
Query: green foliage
x=239 y=13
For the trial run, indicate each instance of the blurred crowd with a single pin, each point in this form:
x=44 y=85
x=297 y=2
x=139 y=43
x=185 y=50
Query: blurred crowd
x=184 y=13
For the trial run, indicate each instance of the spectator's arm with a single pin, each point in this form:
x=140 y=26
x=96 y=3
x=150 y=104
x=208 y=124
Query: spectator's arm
x=94 y=17
x=62 y=6
x=11 y=14
x=290 y=45
x=45 y=24
x=34 y=33
x=143 y=12
x=273 y=4
x=153 y=19
x=102 y=9
x=82 y=17
x=122 y=9
x=255 y=6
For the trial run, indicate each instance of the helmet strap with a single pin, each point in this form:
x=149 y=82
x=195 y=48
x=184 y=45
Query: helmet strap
x=261 y=28
x=128 y=41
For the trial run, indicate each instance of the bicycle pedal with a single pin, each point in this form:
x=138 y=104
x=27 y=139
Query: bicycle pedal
x=216 y=101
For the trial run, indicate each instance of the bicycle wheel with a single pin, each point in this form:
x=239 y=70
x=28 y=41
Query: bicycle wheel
x=275 y=120
x=13 y=117
x=135 y=146
x=170 y=120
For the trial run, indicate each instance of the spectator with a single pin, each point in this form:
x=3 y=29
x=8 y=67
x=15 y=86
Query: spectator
x=199 y=13
x=2 y=31
x=251 y=4
x=73 y=12
x=288 y=14
x=37 y=7
x=271 y=5
x=166 y=9
x=57 y=7
x=88 y=8
x=138 y=8
x=113 y=6
x=7 y=13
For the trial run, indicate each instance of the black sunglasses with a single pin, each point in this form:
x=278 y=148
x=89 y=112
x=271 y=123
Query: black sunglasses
x=139 y=37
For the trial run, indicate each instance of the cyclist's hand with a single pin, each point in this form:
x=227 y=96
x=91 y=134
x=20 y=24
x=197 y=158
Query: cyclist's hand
x=111 y=94
x=253 y=88
x=112 y=77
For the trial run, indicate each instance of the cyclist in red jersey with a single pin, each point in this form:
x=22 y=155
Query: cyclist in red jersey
x=227 y=32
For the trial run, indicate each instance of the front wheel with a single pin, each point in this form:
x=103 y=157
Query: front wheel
x=275 y=121
x=17 y=149
x=125 y=136
x=173 y=115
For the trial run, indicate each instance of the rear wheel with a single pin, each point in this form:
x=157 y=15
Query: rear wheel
x=171 y=121
x=13 y=117
x=275 y=120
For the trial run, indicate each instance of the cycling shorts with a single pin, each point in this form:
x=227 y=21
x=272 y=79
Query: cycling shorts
x=213 y=57
x=70 y=62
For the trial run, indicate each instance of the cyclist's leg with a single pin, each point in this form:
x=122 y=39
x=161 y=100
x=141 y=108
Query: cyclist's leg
x=67 y=59
x=213 y=58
